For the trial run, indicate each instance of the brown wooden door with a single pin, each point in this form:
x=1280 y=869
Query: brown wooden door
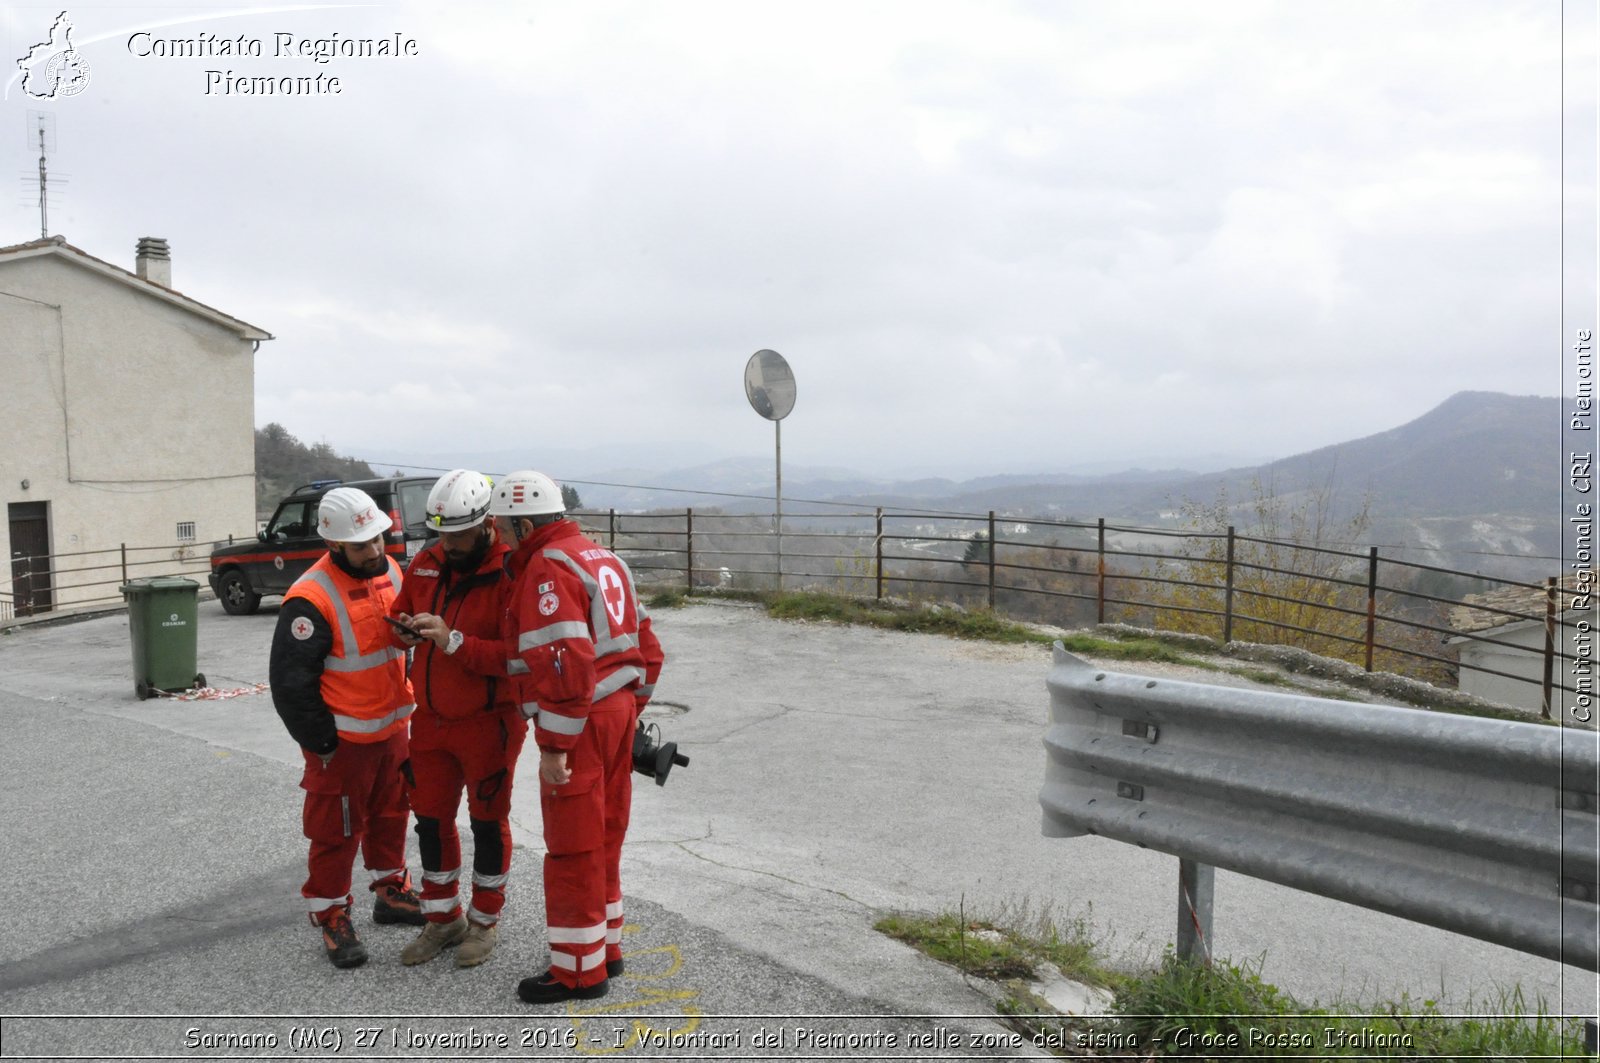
x=30 y=557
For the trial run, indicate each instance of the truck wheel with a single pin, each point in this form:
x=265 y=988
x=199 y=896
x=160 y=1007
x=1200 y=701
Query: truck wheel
x=237 y=597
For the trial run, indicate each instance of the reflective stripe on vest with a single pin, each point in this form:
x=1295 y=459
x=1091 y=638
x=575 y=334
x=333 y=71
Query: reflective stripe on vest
x=566 y=629
x=356 y=725
x=347 y=633
x=555 y=723
x=616 y=681
x=366 y=695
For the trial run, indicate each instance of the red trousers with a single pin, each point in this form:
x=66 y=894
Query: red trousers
x=478 y=753
x=584 y=824
x=357 y=802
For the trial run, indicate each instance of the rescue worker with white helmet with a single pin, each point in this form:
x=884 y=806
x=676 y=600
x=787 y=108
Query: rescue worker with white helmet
x=592 y=662
x=469 y=728
x=339 y=684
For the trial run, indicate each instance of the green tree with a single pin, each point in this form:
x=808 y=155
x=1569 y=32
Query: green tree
x=978 y=549
x=570 y=499
x=284 y=463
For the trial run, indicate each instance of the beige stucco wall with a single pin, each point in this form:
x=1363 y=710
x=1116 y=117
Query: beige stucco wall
x=127 y=415
x=1527 y=662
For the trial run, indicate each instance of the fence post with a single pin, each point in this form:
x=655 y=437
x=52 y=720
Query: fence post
x=991 y=560
x=1549 y=643
x=611 y=543
x=1100 y=576
x=877 y=542
x=124 y=562
x=1227 y=595
x=1372 y=602
x=688 y=543
x=1195 y=888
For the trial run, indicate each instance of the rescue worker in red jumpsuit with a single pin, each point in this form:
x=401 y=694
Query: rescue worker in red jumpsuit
x=339 y=684
x=592 y=662
x=468 y=728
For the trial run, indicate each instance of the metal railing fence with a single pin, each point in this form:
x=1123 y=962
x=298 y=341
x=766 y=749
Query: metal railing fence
x=1357 y=605
x=90 y=578
x=1354 y=604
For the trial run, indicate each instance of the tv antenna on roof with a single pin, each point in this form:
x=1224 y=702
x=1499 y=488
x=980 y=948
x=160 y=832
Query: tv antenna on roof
x=41 y=134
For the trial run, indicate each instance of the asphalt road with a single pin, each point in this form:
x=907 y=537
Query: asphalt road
x=837 y=773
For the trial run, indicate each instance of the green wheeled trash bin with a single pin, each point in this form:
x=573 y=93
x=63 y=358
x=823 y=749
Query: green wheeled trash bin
x=162 y=618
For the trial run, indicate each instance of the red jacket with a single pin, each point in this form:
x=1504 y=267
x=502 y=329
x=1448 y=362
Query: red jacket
x=580 y=630
x=473 y=679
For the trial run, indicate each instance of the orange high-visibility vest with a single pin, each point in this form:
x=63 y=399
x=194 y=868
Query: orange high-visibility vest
x=364 y=676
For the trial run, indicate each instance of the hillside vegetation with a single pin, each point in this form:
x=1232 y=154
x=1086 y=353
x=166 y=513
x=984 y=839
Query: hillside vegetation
x=284 y=463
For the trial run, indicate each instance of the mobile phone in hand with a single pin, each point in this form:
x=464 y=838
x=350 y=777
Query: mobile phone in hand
x=404 y=629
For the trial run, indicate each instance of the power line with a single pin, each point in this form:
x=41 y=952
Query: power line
x=953 y=514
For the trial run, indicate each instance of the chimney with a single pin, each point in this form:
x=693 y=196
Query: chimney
x=153 y=261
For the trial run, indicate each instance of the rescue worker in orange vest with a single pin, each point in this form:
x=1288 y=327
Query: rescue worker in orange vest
x=592 y=663
x=339 y=683
x=468 y=728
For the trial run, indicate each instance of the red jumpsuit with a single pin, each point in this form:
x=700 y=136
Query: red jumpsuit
x=592 y=663
x=467 y=732
x=340 y=687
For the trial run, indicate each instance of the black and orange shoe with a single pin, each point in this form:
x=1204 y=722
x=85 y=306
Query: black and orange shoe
x=393 y=903
x=339 y=938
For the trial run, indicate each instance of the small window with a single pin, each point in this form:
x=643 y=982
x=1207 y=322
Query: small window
x=186 y=531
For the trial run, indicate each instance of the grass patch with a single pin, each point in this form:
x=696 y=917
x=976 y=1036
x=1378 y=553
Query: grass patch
x=968 y=624
x=978 y=624
x=1013 y=942
x=1134 y=649
x=668 y=599
x=1226 y=1010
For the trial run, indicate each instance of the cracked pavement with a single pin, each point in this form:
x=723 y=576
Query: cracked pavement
x=836 y=774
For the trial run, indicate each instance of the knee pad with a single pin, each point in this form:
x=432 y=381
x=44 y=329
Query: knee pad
x=428 y=844
x=491 y=846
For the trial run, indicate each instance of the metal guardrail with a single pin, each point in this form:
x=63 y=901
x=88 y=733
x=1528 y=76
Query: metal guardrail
x=1486 y=828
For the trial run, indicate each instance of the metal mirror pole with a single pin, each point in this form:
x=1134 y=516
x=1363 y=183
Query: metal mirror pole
x=769 y=385
x=777 y=435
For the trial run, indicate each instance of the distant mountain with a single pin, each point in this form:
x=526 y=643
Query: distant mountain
x=1475 y=483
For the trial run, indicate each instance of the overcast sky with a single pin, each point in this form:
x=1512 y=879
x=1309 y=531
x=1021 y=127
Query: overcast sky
x=988 y=237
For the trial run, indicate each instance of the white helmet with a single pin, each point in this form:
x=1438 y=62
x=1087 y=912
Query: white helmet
x=460 y=500
x=526 y=494
x=349 y=515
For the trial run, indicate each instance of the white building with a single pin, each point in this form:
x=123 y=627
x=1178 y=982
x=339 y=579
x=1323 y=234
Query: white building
x=1501 y=640
x=129 y=419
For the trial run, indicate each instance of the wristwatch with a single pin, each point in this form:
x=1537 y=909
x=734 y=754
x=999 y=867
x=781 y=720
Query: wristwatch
x=453 y=643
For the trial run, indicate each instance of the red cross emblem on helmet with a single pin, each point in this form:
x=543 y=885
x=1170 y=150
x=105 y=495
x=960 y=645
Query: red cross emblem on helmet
x=362 y=518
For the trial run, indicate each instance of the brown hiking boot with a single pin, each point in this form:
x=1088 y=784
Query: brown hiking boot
x=434 y=939
x=479 y=944
x=397 y=904
x=339 y=938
